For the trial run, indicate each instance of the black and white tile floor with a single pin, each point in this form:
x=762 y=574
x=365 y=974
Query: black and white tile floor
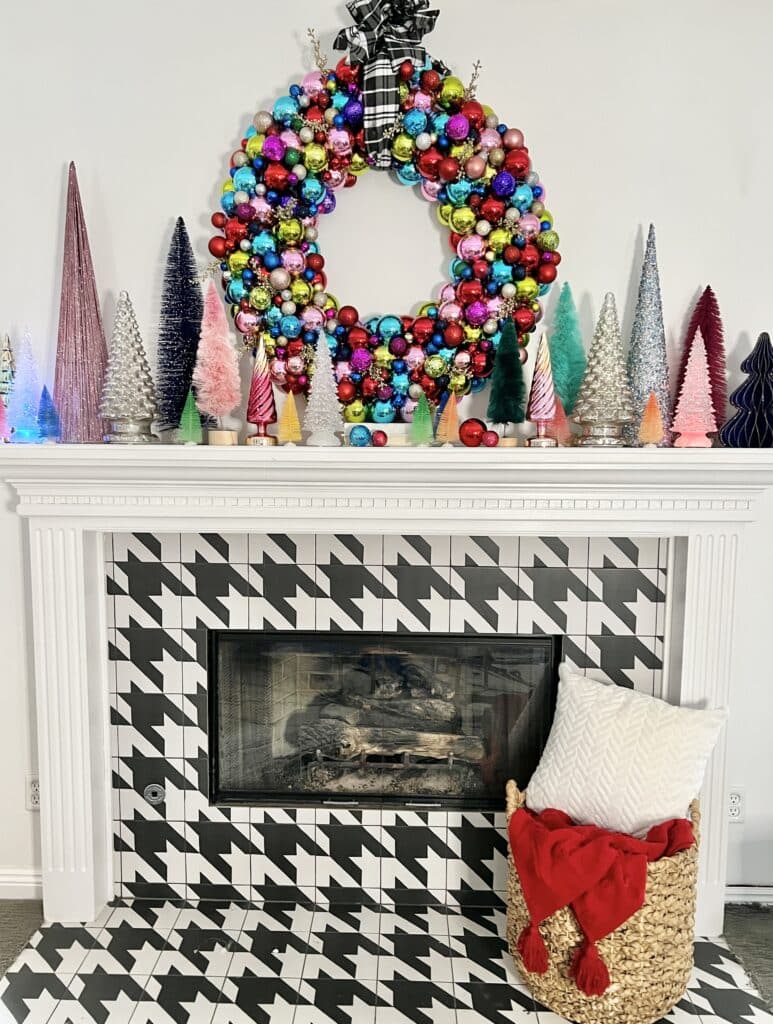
x=175 y=962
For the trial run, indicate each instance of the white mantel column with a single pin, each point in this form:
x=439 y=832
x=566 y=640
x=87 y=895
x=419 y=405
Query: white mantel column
x=67 y=577
x=707 y=665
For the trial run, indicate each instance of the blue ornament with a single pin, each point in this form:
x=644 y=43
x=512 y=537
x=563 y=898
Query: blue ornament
x=360 y=436
x=389 y=327
x=271 y=261
x=312 y=189
x=263 y=243
x=285 y=109
x=273 y=315
x=458 y=192
x=383 y=412
x=228 y=203
x=523 y=197
x=291 y=326
x=414 y=122
x=439 y=122
x=501 y=273
x=251 y=130
x=407 y=174
x=503 y=185
x=353 y=112
x=236 y=290
x=400 y=381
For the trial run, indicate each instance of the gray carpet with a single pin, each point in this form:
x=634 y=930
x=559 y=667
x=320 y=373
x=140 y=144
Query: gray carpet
x=18 y=920
x=749 y=932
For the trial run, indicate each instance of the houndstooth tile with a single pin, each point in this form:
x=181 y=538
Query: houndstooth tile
x=138 y=780
x=145 y=594
x=221 y=548
x=484 y=599
x=146 y=547
x=341 y=955
x=197 y=950
x=197 y=798
x=630 y=661
x=413 y=549
x=178 y=999
x=217 y=860
x=349 y=857
x=415 y=957
x=324 y=1000
x=484 y=551
x=148 y=723
x=148 y=659
x=417 y=598
x=285 y=598
x=553 y=552
x=216 y=594
x=555 y=600
x=412 y=858
x=625 y=553
x=349 y=549
x=493 y=1003
x=282 y=549
x=408 y=1001
x=153 y=852
x=477 y=863
x=625 y=602
x=124 y=949
x=256 y=1000
x=284 y=854
x=350 y=597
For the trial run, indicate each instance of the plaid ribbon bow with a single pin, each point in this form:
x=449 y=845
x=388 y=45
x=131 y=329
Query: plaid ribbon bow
x=385 y=33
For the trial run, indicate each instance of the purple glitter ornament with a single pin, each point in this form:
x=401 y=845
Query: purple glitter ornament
x=81 y=352
x=353 y=113
x=477 y=313
x=273 y=148
x=458 y=127
x=503 y=184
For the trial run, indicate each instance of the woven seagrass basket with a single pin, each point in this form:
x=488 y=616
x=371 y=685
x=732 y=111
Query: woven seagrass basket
x=649 y=958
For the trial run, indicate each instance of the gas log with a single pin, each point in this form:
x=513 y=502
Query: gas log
x=337 y=738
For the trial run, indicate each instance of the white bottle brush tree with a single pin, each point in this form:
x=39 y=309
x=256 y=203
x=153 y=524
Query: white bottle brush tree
x=128 y=394
x=323 y=415
x=216 y=376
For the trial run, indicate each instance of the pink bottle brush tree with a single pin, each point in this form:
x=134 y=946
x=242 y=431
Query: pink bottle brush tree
x=216 y=376
x=695 y=410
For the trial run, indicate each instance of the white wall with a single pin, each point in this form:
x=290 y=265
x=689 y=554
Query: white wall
x=632 y=111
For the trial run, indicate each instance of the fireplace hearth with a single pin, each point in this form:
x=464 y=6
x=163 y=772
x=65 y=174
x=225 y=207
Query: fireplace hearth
x=360 y=718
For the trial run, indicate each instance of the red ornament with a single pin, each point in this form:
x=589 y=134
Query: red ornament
x=492 y=209
x=314 y=261
x=547 y=273
x=471 y=433
x=453 y=240
x=423 y=329
x=347 y=391
x=369 y=388
x=218 y=247
x=530 y=256
x=518 y=162
x=218 y=220
x=314 y=114
x=481 y=269
x=490 y=439
x=469 y=291
x=524 y=319
x=453 y=335
x=379 y=439
x=448 y=168
x=428 y=163
x=430 y=81
x=511 y=255
x=348 y=316
x=347 y=73
x=406 y=70
x=275 y=177
x=358 y=337
x=474 y=113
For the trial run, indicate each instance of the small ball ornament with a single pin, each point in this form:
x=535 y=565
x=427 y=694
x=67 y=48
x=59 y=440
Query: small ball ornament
x=490 y=439
x=471 y=433
x=379 y=438
x=360 y=436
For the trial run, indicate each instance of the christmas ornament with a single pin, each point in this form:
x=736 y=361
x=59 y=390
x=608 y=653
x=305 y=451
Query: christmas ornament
x=216 y=374
x=379 y=438
x=323 y=413
x=360 y=436
x=289 y=426
x=5 y=430
x=605 y=402
x=471 y=433
x=81 y=352
x=694 y=410
x=179 y=326
x=567 y=352
x=651 y=429
x=508 y=389
x=448 y=425
x=261 y=408
x=542 y=397
x=647 y=359
x=7 y=369
x=128 y=395
x=421 y=425
x=490 y=439
x=752 y=425
x=25 y=397
x=189 y=430
x=48 y=419
x=706 y=318
x=297 y=160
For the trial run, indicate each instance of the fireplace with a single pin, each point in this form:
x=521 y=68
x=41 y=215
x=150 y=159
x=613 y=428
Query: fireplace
x=364 y=718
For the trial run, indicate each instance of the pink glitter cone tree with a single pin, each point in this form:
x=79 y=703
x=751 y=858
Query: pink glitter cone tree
x=216 y=376
x=695 y=411
x=81 y=351
x=541 y=409
x=261 y=407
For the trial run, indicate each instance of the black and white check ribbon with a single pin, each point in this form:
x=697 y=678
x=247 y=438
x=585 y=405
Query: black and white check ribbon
x=385 y=33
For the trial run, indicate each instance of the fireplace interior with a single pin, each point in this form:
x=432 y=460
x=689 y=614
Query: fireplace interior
x=359 y=718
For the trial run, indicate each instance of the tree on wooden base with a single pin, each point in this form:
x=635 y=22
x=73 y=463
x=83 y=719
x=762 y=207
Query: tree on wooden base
x=216 y=376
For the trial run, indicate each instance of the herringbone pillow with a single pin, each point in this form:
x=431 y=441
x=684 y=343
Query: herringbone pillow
x=620 y=759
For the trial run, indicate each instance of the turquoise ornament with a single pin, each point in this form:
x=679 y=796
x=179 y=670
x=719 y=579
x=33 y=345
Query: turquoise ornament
x=290 y=326
x=263 y=242
x=312 y=189
x=401 y=382
x=235 y=291
x=228 y=203
x=458 y=192
x=523 y=197
x=407 y=174
x=415 y=122
x=389 y=327
x=501 y=272
x=384 y=412
x=273 y=316
x=245 y=180
x=285 y=109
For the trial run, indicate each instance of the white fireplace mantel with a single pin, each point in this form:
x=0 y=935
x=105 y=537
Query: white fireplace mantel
x=71 y=495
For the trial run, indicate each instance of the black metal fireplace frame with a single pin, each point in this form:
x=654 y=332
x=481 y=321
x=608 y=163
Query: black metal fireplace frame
x=219 y=796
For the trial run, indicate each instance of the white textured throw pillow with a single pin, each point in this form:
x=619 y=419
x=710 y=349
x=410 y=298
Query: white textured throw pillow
x=620 y=759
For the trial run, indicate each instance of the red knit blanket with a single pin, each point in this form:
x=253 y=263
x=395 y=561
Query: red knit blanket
x=601 y=875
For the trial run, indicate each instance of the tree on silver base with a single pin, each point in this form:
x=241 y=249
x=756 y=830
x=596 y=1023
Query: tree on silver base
x=128 y=395
x=323 y=414
x=605 y=402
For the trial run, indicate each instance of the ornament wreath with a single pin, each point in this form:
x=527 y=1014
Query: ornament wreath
x=390 y=107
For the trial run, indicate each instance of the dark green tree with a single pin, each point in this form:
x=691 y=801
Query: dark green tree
x=508 y=388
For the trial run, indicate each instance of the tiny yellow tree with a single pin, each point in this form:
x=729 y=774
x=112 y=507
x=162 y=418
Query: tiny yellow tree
x=651 y=431
x=448 y=425
x=289 y=427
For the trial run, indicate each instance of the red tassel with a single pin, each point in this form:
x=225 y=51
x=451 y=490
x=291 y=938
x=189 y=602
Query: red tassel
x=533 y=951
x=589 y=970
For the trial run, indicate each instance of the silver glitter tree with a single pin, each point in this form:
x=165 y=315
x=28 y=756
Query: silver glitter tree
x=605 y=403
x=647 y=359
x=7 y=369
x=128 y=395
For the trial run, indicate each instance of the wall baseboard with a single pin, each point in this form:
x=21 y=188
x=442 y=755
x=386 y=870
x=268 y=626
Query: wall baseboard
x=20 y=884
x=749 y=894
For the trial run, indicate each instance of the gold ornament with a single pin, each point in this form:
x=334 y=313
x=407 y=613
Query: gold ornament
x=315 y=157
x=463 y=220
x=451 y=91
x=527 y=289
x=402 y=148
x=355 y=412
x=290 y=231
x=260 y=297
x=434 y=366
x=238 y=261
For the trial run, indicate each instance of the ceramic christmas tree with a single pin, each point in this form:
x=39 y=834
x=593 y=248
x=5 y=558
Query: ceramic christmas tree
x=216 y=375
x=567 y=352
x=542 y=397
x=559 y=428
x=81 y=352
x=189 y=431
x=261 y=407
x=421 y=425
x=48 y=418
x=752 y=425
x=5 y=430
x=179 y=328
x=605 y=402
x=289 y=426
x=694 y=417
x=7 y=369
x=651 y=429
x=706 y=318
x=25 y=397
x=323 y=413
x=448 y=425
x=647 y=359
x=508 y=389
x=128 y=395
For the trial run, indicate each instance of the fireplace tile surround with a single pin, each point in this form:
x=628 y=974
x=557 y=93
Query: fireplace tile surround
x=605 y=596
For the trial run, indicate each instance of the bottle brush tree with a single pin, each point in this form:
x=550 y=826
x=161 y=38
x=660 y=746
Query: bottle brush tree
x=707 y=319
x=651 y=431
x=448 y=425
x=189 y=431
x=567 y=352
x=289 y=426
x=508 y=389
x=216 y=375
x=48 y=418
x=752 y=425
x=5 y=430
x=421 y=424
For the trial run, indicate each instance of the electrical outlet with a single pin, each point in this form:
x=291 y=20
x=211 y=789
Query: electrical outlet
x=736 y=805
x=33 y=793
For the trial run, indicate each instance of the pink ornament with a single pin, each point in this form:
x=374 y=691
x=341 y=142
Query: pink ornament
x=431 y=190
x=529 y=225
x=293 y=261
x=246 y=322
x=490 y=439
x=335 y=178
x=312 y=317
x=295 y=364
x=513 y=138
x=313 y=83
x=490 y=139
x=261 y=210
x=291 y=139
x=340 y=141
x=422 y=101
x=407 y=411
x=451 y=311
x=472 y=247
x=462 y=360
x=414 y=357
x=475 y=168
x=278 y=371
x=447 y=293
x=343 y=369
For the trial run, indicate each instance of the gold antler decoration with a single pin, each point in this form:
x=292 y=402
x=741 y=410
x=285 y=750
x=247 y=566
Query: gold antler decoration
x=320 y=58
x=472 y=88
